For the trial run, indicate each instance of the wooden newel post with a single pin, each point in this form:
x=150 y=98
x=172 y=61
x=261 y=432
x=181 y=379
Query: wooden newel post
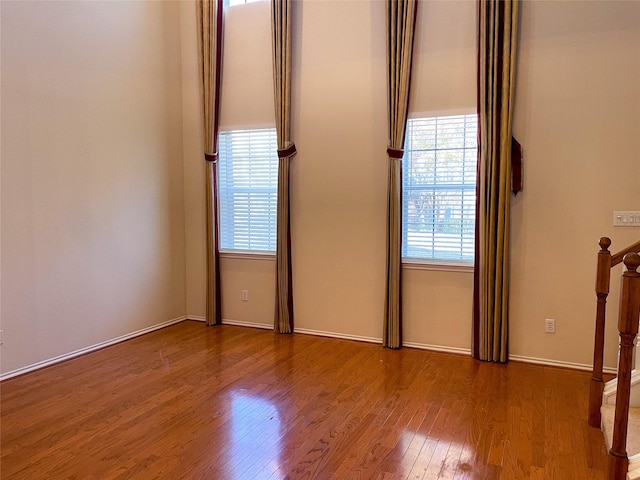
x=602 y=291
x=628 y=326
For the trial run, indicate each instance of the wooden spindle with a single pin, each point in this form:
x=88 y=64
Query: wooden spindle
x=603 y=276
x=628 y=326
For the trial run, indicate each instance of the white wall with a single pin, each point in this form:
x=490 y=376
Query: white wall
x=577 y=116
x=92 y=179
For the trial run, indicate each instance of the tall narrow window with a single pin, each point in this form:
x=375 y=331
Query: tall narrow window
x=439 y=181
x=248 y=169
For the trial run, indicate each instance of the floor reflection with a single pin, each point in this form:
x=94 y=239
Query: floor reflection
x=255 y=437
x=439 y=457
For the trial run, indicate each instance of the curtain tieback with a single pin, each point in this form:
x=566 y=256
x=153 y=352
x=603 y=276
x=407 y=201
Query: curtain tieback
x=290 y=151
x=211 y=157
x=395 y=152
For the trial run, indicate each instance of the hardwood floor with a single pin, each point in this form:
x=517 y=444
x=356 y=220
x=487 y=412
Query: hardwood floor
x=229 y=403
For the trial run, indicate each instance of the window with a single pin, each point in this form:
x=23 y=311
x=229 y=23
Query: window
x=439 y=181
x=248 y=185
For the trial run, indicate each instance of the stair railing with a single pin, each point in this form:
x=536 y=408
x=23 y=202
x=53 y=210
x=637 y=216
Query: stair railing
x=606 y=262
x=618 y=464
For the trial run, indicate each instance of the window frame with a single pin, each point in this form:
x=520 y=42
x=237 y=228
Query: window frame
x=242 y=253
x=433 y=264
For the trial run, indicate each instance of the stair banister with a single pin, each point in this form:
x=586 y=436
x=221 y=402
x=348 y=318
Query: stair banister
x=603 y=276
x=617 y=258
x=618 y=464
x=606 y=261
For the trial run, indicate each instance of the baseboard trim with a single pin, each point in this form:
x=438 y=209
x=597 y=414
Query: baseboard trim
x=342 y=336
x=439 y=348
x=236 y=323
x=557 y=363
x=92 y=348
x=239 y=323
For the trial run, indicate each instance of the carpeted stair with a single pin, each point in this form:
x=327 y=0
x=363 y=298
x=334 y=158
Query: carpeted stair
x=633 y=436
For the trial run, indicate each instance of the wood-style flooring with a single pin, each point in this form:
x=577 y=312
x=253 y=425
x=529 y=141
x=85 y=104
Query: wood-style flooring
x=197 y=402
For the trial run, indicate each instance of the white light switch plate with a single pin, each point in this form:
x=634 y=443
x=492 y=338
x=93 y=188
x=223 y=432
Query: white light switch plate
x=626 y=218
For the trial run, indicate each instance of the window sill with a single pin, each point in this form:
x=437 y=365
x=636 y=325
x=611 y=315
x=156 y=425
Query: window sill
x=438 y=265
x=248 y=254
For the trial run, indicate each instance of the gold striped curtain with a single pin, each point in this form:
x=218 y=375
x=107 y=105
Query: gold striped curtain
x=210 y=22
x=401 y=22
x=497 y=35
x=281 y=14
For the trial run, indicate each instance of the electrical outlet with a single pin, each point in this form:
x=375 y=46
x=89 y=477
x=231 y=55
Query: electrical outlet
x=550 y=325
x=245 y=295
x=1 y=338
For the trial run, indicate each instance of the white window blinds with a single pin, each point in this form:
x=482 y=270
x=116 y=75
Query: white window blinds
x=233 y=3
x=439 y=181
x=248 y=183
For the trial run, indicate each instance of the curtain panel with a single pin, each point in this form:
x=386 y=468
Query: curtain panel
x=210 y=23
x=497 y=36
x=401 y=24
x=281 y=16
